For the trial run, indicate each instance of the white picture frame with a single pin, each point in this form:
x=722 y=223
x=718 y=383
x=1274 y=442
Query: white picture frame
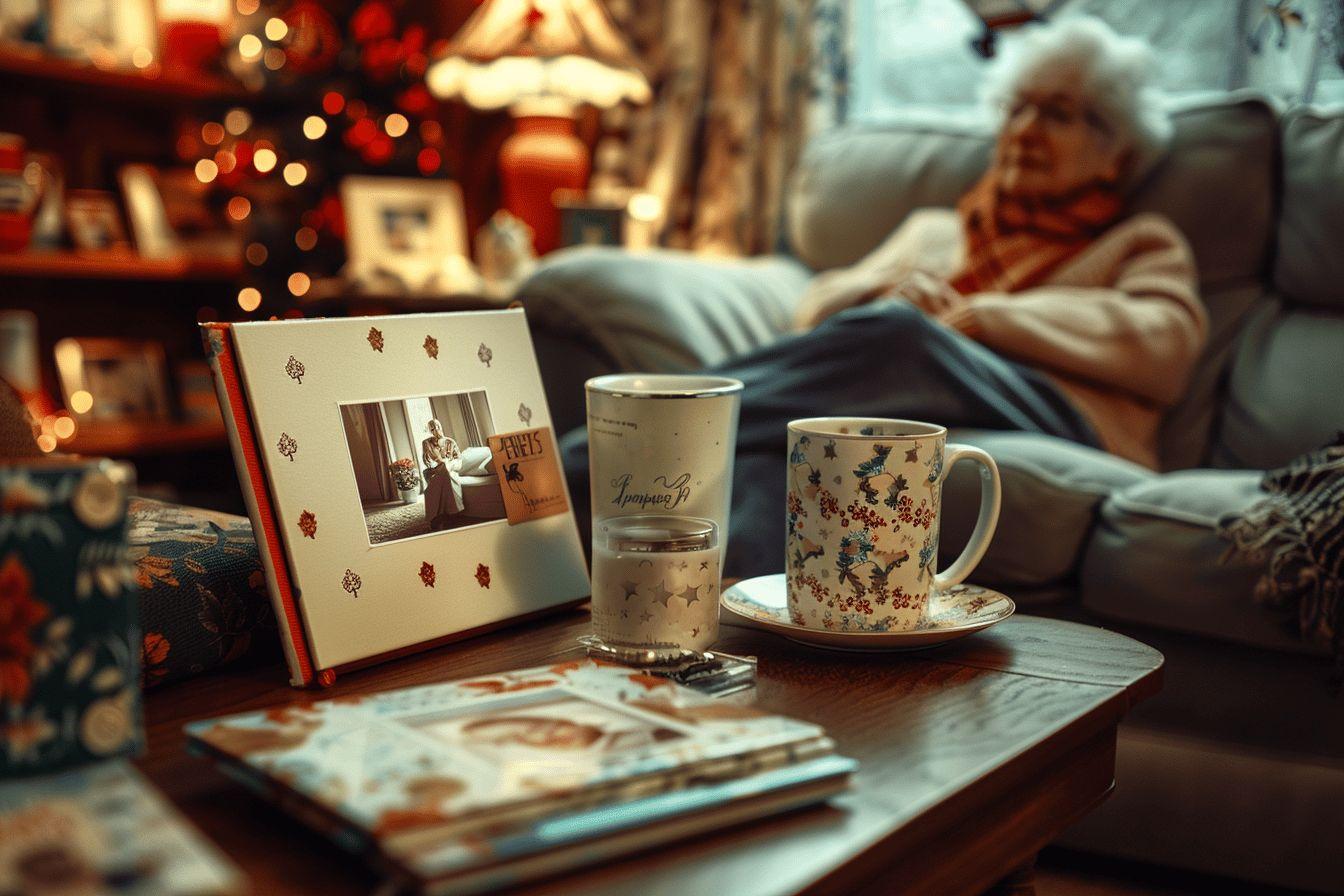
x=153 y=233
x=126 y=378
x=108 y=33
x=406 y=235
x=359 y=598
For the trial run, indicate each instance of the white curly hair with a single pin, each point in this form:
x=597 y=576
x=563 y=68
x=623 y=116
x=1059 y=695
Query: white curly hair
x=1113 y=75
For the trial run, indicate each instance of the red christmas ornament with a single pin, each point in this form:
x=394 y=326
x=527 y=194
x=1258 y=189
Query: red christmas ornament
x=416 y=100
x=428 y=161
x=229 y=180
x=372 y=21
x=413 y=39
x=382 y=59
x=242 y=154
x=333 y=216
x=313 y=40
x=361 y=133
x=380 y=150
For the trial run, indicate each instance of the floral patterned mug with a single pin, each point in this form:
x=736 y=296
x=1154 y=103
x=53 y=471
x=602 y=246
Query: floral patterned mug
x=864 y=496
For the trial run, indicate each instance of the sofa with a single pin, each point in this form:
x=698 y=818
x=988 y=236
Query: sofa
x=1237 y=767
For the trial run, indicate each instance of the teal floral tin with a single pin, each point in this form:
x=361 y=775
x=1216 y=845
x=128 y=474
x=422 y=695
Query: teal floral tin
x=69 y=640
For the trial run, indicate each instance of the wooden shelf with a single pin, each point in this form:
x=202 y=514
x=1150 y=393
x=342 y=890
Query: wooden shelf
x=65 y=265
x=55 y=72
x=142 y=438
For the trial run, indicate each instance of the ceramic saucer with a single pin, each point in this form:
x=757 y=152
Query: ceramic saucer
x=960 y=610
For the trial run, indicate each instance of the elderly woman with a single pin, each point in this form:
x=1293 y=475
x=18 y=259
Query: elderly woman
x=443 y=484
x=1037 y=304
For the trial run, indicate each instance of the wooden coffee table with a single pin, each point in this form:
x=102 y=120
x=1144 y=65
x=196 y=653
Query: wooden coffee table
x=972 y=757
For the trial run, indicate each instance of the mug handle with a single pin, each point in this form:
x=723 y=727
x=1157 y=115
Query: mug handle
x=990 y=495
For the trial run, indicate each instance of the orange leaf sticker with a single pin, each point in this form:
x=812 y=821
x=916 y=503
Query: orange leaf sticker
x=649 y=682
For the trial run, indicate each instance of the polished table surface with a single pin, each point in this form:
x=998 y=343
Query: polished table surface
x=972 y=756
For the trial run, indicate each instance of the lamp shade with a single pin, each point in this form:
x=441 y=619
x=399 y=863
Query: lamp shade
x=516 y=50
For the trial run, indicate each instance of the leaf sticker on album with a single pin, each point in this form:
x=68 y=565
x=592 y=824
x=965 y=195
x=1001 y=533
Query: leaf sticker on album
x=529 y=474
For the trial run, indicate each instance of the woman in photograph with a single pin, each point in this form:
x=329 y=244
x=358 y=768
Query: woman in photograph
x=443 y=485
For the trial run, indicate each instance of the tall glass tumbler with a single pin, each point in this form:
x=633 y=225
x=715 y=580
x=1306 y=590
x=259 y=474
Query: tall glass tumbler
x=662 y=444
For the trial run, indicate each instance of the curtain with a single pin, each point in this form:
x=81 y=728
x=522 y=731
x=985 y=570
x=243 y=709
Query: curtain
x=369 y=454
x=739 y=85
x=382 y=449
x=470 y=428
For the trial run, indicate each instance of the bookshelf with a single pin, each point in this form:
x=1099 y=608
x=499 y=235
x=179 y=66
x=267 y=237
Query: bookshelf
x=94 y=120
x=145 y=438
x=67 y=265
x=39 y=69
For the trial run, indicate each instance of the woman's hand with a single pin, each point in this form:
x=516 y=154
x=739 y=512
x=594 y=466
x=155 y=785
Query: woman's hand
x=930 y=294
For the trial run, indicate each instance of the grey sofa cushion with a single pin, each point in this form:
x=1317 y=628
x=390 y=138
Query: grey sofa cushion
x=1155 y=560
x=1051 y=492
x=1310 y=265
x=663 y=310
x=1186 y=434
x=1286 y=394
x=853 y=186
x=1218 y=185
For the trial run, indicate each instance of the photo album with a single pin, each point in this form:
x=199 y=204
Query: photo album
x=402 y=479
x=493 y=781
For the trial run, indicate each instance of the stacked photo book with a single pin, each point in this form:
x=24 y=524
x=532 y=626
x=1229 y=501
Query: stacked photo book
x=488 y=782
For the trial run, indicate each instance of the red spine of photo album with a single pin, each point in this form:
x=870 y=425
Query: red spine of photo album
x=219 y=345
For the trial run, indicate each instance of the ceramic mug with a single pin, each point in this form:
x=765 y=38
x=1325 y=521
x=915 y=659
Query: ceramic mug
x=662 y=444
x=864 y=501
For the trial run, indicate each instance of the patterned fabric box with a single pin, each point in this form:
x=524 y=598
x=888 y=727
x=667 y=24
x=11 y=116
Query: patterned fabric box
x=203 y=601
x=69 y=638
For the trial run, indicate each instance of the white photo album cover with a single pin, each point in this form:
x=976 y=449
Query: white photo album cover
x=374 y=439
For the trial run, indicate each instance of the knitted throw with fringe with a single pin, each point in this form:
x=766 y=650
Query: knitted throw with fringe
x=1299 y=528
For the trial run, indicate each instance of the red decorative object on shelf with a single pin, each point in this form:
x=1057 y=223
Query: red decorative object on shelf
x=540 y=59
x=541 y=156
x=191 y=46
x=16 y=222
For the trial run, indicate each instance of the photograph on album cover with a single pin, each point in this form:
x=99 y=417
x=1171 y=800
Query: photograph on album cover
x=422 y=464
x=547 y=727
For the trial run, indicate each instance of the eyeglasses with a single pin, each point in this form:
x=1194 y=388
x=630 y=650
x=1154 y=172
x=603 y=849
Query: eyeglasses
x=1056 y=114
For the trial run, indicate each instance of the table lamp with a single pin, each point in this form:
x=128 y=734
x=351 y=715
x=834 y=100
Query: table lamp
x=540 y=59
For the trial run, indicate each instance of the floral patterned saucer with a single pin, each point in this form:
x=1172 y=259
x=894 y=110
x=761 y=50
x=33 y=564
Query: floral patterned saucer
x=962 y=609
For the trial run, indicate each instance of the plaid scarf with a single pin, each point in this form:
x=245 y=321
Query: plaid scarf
x=1013 y=242
x=1298 y=527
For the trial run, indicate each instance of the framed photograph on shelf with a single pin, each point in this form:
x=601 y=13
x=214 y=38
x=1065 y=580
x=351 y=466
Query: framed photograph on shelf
x=23 y=21
x=94 y=221
x=108 y=33
x=585 y=221
x=42 y=172
x=407 y=235
x=121 y=379
x=199 y=227
x=153 y=232
x=403 y=471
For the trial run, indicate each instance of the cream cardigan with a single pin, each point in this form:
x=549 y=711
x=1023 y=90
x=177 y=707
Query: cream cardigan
x=1118 y=327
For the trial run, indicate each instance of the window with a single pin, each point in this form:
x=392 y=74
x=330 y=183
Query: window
x=912 y=53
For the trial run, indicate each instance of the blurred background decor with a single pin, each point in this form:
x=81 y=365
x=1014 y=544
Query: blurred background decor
x=739 y=89
x=540 y=59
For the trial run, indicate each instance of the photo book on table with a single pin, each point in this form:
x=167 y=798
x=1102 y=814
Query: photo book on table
x=102 y=828
x=487 y=782
x=402 y=479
